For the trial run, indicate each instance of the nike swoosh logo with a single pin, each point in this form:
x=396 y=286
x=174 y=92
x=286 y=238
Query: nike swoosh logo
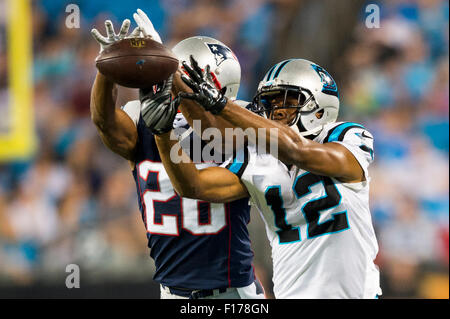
x=364 y=135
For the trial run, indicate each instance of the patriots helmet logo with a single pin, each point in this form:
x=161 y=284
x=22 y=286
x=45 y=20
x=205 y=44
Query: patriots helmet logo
x=221 y=52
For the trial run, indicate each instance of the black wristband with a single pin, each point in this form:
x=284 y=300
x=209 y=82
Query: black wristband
x=219 y=106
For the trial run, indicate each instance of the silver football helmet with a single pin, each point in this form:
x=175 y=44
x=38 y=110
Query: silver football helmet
x=225 y=67
x=313 y=87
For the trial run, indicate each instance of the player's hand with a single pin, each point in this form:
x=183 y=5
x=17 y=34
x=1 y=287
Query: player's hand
x=111 y=36
x=158 y=109
x=146 y=25
x=205 y=91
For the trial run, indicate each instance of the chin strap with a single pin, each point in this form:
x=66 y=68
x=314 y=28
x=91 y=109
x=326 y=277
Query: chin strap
x=313 y=132
x=309 y=134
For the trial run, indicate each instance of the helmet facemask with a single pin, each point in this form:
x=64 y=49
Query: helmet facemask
x=304 y=105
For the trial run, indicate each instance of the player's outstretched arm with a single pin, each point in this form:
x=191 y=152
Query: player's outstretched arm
x=329 y=159
x=212 y=184
x=116 y=128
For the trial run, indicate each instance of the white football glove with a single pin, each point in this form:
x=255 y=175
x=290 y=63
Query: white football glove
x=111 y=36
x=146 y=25
x=180 y=121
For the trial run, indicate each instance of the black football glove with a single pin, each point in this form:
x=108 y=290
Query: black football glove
x=158 y=109
x=205 y=92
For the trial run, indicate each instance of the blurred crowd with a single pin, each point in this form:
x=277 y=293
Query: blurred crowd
x=76 y=202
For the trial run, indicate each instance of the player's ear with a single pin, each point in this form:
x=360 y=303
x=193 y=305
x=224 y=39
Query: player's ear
x=319 y=114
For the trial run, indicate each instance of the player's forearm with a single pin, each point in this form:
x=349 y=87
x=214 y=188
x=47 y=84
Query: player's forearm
x=182 y=172
x=329 y=159
x=212 y=184
x=102 y=102
x=116 y=129
x=275 y=134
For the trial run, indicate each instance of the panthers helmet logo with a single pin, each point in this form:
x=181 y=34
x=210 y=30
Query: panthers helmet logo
x=329 y=85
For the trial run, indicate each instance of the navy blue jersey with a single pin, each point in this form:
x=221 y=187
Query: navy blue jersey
x=194 y=244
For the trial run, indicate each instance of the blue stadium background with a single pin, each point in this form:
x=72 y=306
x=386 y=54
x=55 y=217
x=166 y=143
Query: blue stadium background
x=75 y=202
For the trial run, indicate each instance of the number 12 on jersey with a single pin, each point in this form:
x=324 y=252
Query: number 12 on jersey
x=311 y=209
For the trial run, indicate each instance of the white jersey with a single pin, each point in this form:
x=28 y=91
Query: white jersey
x=320 y=229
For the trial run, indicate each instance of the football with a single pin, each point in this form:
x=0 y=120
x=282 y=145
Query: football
x=137 y=62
